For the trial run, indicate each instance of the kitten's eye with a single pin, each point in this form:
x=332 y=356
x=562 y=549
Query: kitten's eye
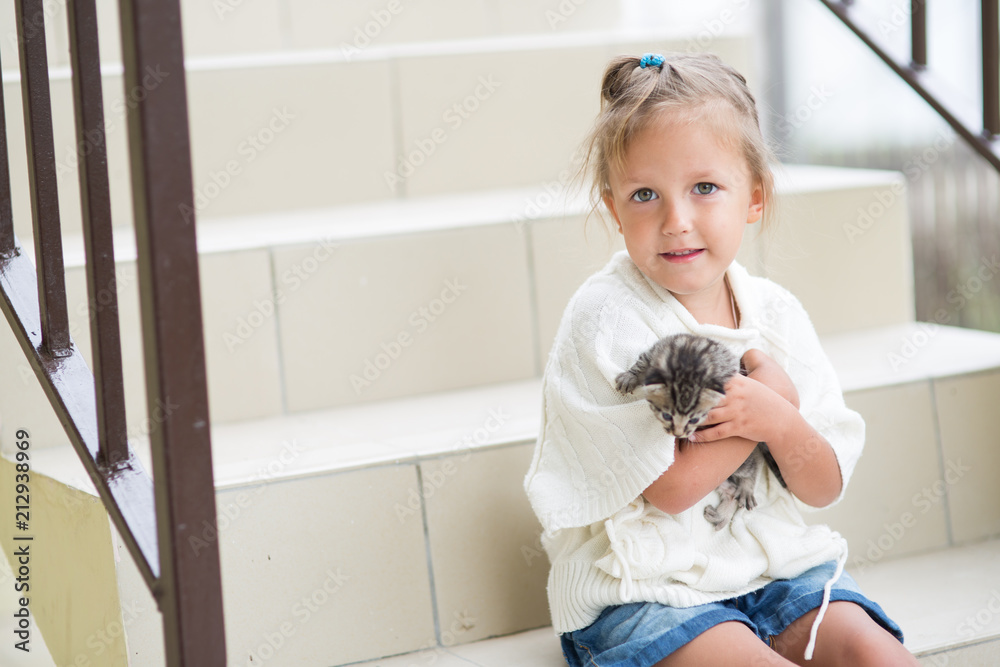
x=666 y=416
x=644 y=194
x=705 y=188
x=696 y=420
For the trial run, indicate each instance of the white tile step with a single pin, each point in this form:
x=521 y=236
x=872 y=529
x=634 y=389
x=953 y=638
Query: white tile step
x=421 y=427
x=413 y=49
x=947 y=602
x=432 y=425
x=911 y=352
x=550 y=200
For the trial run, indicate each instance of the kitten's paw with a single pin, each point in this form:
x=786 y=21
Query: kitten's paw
x=715 y=517
x=746 y=500
x=627 y=382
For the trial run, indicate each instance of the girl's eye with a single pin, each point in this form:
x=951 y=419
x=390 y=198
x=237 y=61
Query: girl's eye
x=705 y=188
x=645 y=194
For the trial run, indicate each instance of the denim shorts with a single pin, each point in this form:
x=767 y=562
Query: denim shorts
x=640 y=634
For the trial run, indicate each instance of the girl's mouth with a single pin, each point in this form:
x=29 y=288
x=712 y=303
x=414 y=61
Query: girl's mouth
x=681 y=256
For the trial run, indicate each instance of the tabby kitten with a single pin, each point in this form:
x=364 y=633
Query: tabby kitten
x=683 y=377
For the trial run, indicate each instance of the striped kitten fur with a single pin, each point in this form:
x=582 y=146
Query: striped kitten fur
x=683 y=377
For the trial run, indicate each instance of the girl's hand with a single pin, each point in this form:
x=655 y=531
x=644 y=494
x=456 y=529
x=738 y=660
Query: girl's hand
x=750 y=409
x=763 y=407
x=764 y=369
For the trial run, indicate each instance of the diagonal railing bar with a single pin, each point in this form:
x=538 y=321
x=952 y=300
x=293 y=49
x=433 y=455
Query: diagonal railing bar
x=95 y=200
x=128 y=491
x=42 y=176
x=977 y=130
x=190 y=589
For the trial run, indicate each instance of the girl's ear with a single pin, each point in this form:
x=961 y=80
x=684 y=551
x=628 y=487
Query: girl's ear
x=610 y=203
x=756 y=210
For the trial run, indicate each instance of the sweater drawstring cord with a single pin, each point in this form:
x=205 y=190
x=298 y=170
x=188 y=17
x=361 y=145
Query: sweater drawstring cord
x=827 y=590
x=623 y=550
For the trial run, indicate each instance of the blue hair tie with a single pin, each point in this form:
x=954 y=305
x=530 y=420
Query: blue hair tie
x=648 y=59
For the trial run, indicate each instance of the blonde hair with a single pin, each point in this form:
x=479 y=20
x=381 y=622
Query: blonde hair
x=696 y=86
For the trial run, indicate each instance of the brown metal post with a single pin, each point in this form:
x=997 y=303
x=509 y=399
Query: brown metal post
x=95 y=199
x=7 y=242
x=918 y=34
x=42 y=176
x=189 y=591
x=991 y=68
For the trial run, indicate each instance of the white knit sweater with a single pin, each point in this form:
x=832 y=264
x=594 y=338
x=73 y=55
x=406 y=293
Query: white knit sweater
x=598 y=450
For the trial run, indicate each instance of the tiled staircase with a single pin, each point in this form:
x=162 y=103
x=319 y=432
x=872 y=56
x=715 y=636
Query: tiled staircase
x=387 y=243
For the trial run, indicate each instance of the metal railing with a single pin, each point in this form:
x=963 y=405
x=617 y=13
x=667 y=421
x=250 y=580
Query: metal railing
x=155 y=520
x=979 y=130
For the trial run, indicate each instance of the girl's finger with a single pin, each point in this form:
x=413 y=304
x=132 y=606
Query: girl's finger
x=716 y=415
x=708 y=434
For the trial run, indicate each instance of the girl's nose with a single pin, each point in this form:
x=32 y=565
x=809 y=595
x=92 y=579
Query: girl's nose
x=676 y=219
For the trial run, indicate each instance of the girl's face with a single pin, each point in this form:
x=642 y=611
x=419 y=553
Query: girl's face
x=682 y=203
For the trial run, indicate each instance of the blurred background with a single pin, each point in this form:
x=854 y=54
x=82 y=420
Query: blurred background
x=871 y=118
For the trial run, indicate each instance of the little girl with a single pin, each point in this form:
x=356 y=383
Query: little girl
x=639 y=577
